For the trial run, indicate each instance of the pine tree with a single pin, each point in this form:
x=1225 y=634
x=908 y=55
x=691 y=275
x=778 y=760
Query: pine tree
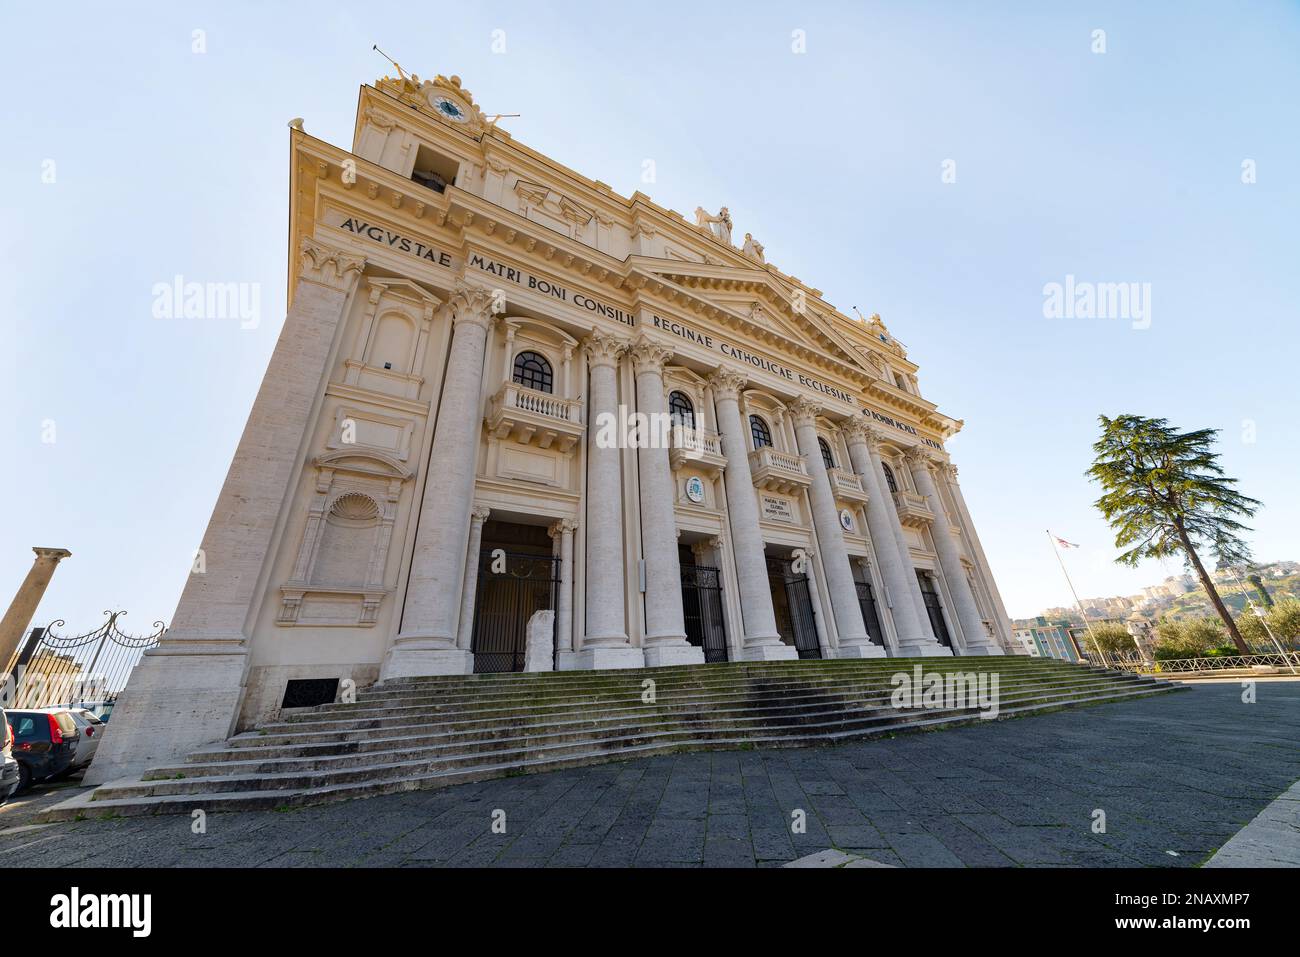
x=1165 y=494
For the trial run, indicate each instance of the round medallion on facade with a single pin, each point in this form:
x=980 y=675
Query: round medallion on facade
x=695 y=489
x=846 y=519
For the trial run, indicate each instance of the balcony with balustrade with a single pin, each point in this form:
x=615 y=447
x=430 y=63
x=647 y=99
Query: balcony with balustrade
x=532 y=417
x=912 y=509
x=778 y=471
x=700 y=448
x=847 y=486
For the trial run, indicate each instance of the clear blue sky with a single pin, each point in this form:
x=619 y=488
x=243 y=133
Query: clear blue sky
x=1123 y=166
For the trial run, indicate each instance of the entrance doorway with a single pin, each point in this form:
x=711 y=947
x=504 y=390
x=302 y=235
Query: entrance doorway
x=517 y=577
x=792 y=604
x=702 y=606
x=867 y=602
x=934 y=609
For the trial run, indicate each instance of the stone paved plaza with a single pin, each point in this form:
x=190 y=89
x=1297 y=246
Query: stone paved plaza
x=1177 y=776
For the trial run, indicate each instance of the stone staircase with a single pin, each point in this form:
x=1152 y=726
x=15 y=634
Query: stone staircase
x=436 y=731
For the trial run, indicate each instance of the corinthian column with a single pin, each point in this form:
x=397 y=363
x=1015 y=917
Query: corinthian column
x=665 y=635
x=605 y=643
x=762 y=640
x=465 y=633
x=853 y=639
x=563 y=531
x=895 y=567
x=1002 y=624
x=426 y=644
x=974 y=637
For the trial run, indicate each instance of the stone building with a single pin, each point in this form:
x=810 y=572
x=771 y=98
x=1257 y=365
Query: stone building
x=459 y=433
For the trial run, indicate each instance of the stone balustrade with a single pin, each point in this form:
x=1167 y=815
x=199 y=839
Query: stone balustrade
x=533 y=417
x=778 y=471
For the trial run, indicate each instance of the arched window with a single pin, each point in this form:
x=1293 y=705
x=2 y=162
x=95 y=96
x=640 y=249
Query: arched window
x=681 y=410
x=889 y=477
x=759 y=432
x=533 y=371
x=827 y=459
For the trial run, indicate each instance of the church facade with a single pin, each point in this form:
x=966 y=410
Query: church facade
x=515 y=420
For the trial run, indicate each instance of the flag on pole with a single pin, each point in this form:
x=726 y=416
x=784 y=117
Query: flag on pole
x=1064 y=544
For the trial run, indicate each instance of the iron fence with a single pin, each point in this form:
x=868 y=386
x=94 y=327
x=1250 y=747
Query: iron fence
x=89 y=670
x=1289 y=660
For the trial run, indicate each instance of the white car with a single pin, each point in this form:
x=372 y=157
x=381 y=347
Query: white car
x=10 y=773
x=91 y=730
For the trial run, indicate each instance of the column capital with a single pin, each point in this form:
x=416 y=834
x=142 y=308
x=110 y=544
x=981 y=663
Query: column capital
x=919 y=456
x=602 y=349
x=854 y=430
x=725 y=383
x=470 y=302
x=329 y=265
x=648 y=355
x=803 y=411
x=480 y=513
x=55 y=555
x=565 y=526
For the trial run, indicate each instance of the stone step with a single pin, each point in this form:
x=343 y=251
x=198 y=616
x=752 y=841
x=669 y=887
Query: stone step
x=213 y=801
x=347 y=737
x=506 y=705
x=516 y=684
x=464 y=747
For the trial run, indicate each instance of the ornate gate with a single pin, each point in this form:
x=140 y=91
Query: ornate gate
x=934 y=609
x=870 y=614
x=90 y=670
x=702 y=606
x=793 y=606
x=506 y=600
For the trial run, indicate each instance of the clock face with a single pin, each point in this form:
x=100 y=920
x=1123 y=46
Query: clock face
x=449 y=108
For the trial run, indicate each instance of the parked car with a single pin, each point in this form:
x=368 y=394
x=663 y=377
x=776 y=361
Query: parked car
x=45 y=744
x=91 y=730
x=10 y=770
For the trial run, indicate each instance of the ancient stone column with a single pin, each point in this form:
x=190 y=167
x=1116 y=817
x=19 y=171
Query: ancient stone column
x=605 y=643
x=974 y=636
x=185 y=692
x=427 y=641
x=23 y=607
x=762 y=640
x=853 y=639
x=465 y=634
x=895 y=566
x=665 y=623
x=563 y=530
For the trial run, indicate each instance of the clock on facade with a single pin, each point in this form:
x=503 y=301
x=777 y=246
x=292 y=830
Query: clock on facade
x=695 y=489
x=446 y=106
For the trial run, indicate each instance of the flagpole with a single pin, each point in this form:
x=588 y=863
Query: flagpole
x=1077 y=604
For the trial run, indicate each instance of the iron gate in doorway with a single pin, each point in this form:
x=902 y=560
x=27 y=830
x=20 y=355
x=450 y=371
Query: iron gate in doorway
x=792 y=602
x=510 y=591
x=702 y=607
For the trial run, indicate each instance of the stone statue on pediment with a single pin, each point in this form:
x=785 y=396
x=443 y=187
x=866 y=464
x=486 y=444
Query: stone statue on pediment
x=753 y=248
x=719 y=226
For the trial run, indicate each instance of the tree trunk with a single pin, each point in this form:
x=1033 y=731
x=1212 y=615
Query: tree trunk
x=1210 y=590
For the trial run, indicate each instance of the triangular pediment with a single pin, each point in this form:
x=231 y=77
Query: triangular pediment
x=760 y=298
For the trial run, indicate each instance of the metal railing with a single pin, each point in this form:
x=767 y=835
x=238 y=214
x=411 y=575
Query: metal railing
x=1289 y=660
